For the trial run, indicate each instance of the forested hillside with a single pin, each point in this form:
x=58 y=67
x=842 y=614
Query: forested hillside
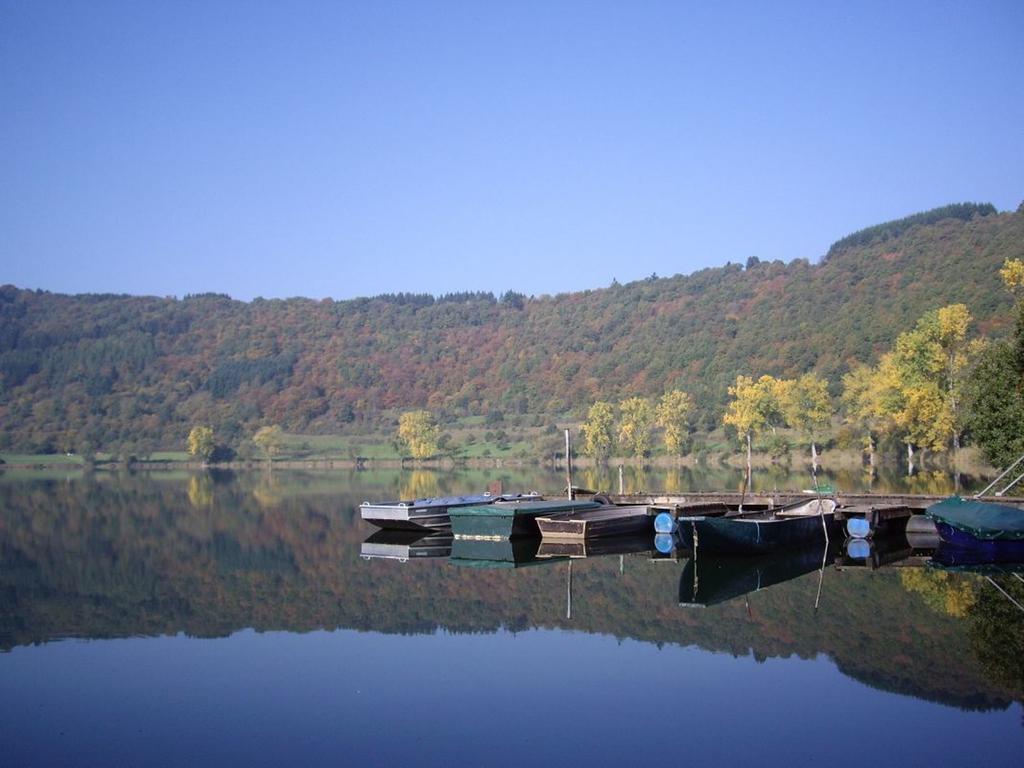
x=102 y=369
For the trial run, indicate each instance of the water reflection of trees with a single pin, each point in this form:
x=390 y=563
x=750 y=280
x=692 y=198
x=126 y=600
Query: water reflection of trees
x=997 y=632
x=421 y=484
x=951 y=593
x=774 y=477
x=986 y=603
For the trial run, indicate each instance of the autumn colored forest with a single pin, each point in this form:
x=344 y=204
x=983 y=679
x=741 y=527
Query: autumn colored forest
x=109 y=370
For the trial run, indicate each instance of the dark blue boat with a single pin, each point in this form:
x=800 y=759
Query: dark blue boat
x=990 y=532
x=755 y=533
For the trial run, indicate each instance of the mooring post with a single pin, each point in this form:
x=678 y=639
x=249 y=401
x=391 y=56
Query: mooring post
x=568 y=466
x=568 y=591
x=621 y=491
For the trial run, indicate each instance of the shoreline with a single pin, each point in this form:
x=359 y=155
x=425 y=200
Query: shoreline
x=968 y=461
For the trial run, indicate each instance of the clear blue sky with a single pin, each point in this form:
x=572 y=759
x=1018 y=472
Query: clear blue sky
x=349 y=149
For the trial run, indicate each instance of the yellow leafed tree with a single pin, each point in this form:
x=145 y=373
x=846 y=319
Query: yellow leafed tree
x=1013 y=274
x=636 y=417
x=671 y=413
x=419 y=432
x=200 y=443
x=599 y=431
x=269 y=439
x=754 y=407
x=870 y=401
x=807 y=407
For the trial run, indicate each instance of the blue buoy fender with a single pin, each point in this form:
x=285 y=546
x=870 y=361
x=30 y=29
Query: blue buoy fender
x=858 y=527
x=664 y=523
x=858 y=548
x=664 y=543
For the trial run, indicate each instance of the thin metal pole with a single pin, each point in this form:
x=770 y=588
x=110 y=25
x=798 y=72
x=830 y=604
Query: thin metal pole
x=568 y=466
x=1001 y=476
x=743 y=495
x=1005 y=593
x=821 y=573
x=568 y=593
x=1019 y=478
x=821 y=514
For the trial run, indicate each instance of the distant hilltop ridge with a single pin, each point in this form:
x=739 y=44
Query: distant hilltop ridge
x=108 y=368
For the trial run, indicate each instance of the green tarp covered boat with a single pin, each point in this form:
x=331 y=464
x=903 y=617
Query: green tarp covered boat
x=993 y=531
x=983 y=520
x=503 y=521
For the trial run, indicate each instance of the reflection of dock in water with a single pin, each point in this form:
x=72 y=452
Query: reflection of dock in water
x=894 y=551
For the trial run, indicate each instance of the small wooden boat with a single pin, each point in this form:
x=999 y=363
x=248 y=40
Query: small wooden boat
x=591 y=523
x=992 y=532
x=406 y=545
x=431 y=513
x=503 y=520
x=753 y=533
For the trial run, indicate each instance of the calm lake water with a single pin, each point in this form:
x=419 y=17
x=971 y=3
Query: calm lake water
x=175 y=619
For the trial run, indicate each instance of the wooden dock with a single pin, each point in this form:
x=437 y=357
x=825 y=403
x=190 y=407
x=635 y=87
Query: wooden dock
x=884 y=506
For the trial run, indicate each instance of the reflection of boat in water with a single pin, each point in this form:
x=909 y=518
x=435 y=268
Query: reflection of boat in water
x=709 y=579
x=406 y=545
x=751 y=533
x=432 y=513
x=982 y=531
x=605 y=545
x=497 y=553
x=970 y=558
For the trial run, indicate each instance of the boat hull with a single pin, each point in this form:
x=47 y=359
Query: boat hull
x=410 y=521
x=597 y=523
x=753 y=536
x=426 y=515
x=976 y=531
x=506 y=521
x=963 y=547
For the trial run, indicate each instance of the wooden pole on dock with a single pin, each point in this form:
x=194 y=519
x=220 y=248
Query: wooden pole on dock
x=568 y=466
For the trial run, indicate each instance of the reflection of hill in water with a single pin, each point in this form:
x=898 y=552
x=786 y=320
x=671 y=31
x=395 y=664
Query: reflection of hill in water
x=142 y=557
